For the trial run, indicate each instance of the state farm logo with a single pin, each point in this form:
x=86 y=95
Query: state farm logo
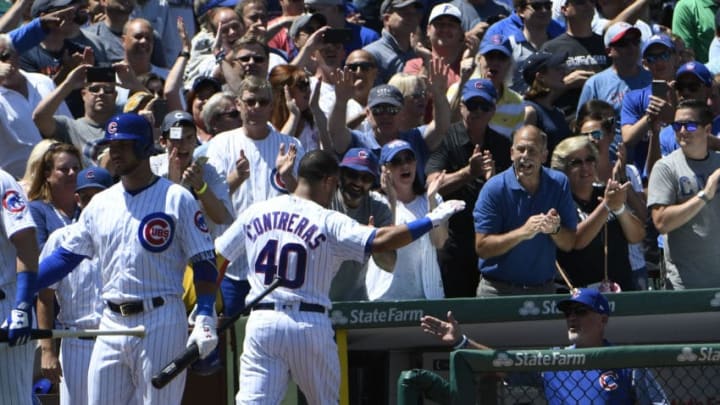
x=156 y=232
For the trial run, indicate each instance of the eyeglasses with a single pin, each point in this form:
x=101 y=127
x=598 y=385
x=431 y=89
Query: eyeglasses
x=96 y=89
x=692 y=86
x=477 y=103
x=229 y=114
x=577 y=311
x=575 y=163
x=540 y=5
x=402 y=159
x=690 y=126
x=363 y=177
x=253 y=58
x=364 y=66
x=385 y=109
x=257 y=102
x=302 y=84
x=658 y=57
x=418 y=95
x=594 y=134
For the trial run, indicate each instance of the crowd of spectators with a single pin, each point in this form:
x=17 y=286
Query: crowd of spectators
x=580 y=134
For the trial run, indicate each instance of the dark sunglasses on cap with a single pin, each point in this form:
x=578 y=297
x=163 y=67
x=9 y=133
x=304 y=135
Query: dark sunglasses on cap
x=477 y=103
x=385 y=109
x=690 y=126
x=364 y=66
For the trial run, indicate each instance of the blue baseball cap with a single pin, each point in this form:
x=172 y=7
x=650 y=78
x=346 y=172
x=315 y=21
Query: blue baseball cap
x=93 y=177
x=361 y=160
x=496 y=42
x=385 y=94
x=392 y=148
x=589 y=297
x=215 y=3
x=482 y=88
x=661 y=39
x=540 y=60
x=698 y=69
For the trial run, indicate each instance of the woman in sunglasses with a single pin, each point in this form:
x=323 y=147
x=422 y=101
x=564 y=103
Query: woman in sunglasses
x=52 y=189
x=417 y=272
x=544 y=72
x=606 y=224
x=292 y=112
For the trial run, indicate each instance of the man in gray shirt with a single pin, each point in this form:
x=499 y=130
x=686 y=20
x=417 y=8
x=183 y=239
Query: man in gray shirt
x=358 y=173
x=681 y=196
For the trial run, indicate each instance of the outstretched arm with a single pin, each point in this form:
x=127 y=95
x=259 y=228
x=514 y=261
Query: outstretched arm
x=449 y=332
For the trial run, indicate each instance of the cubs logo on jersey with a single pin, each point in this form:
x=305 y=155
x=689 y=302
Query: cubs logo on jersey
x=608 y=380
x=156 y=231
x=277 y=182
x=13 y=202
x=200 y=222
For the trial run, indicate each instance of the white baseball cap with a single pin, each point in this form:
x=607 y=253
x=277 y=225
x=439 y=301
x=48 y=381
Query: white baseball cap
x=445 y=9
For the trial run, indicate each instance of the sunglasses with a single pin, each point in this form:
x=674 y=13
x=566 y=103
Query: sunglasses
x=594 y=134
x=254 y=58
x=257 y=102
x=476 y=103
x=575 y=163
x=385 y=109
x=229 y=114
x=303 y=84
x=400 y=160
x=690 y=126
x=577 y=311
x=363 y=177
x=420 y=95
x=658 y=57
x=689 y=86
x=96 y=89
x=364 y=66
x=540 y=5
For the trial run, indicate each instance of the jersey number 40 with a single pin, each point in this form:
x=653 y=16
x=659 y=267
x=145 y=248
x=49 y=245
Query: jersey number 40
x=270 y=261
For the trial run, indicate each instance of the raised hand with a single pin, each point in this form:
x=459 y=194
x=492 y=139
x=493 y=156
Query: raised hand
x=447 y=331
x=445 y=210
x=242 y=166
x=488 y=165
x=286 y=160
x=182 y=34
x=290 y=102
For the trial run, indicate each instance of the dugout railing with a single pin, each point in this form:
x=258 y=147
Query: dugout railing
x=662 y=374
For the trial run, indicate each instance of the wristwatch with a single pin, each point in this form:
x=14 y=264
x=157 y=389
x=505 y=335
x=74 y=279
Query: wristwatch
x=701 y=195
x=184 y=54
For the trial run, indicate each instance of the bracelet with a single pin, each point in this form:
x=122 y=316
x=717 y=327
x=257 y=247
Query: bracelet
x=202 y=190
x=619 y=212
x=184 y=54
x=462 y=343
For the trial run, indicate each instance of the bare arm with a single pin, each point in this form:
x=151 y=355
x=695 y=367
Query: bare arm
x=438 y=127
x=303 y=59
x=49 y=362
x=214 y=208
x=321 y=122
x=174 y=80
x=43 y=116
x=14 y=15
x=336 y=123
x=448 y=331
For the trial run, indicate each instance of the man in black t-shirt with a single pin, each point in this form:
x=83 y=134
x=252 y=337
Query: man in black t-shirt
x=470 y=154
x=585 y=50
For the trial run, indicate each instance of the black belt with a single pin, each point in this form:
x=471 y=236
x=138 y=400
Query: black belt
x=305 y=307
x=2 y=295
x=515 y=285
x=86 y=337
x=134 y=307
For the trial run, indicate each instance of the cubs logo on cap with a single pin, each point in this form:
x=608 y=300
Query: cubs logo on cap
x=13 y=202
x=608 y=381
x=200 y=222
x=112 y=127
x=276 y=182
x=156 y=232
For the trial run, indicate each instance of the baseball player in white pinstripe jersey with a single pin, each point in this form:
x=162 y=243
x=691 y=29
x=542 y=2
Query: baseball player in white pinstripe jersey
x=17 y=241
x=78 y=296
x=295 y=237
x=257 y=162
x=143 y=231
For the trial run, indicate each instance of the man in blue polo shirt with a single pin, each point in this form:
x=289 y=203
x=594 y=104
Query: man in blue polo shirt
x=512 y=26
x=521 y=217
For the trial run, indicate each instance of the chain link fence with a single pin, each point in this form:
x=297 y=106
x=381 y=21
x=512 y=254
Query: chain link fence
x=660 y=374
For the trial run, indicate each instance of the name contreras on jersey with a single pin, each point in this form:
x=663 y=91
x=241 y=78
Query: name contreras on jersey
x=283 y=221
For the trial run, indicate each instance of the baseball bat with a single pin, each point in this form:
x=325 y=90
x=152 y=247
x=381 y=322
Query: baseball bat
x=191 y=353
x=138 y=331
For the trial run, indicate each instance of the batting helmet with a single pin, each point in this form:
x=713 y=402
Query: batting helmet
x=130 y=127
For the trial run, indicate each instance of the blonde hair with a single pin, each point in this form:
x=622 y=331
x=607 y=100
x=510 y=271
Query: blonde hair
x=34 y=160
x=406 y=83
x=569 y=146
x=39 y=186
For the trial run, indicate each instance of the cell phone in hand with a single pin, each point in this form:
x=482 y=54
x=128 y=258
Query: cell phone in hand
x=659 y=89
x=159 y=110
x=337 y=36
x=104 y=74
